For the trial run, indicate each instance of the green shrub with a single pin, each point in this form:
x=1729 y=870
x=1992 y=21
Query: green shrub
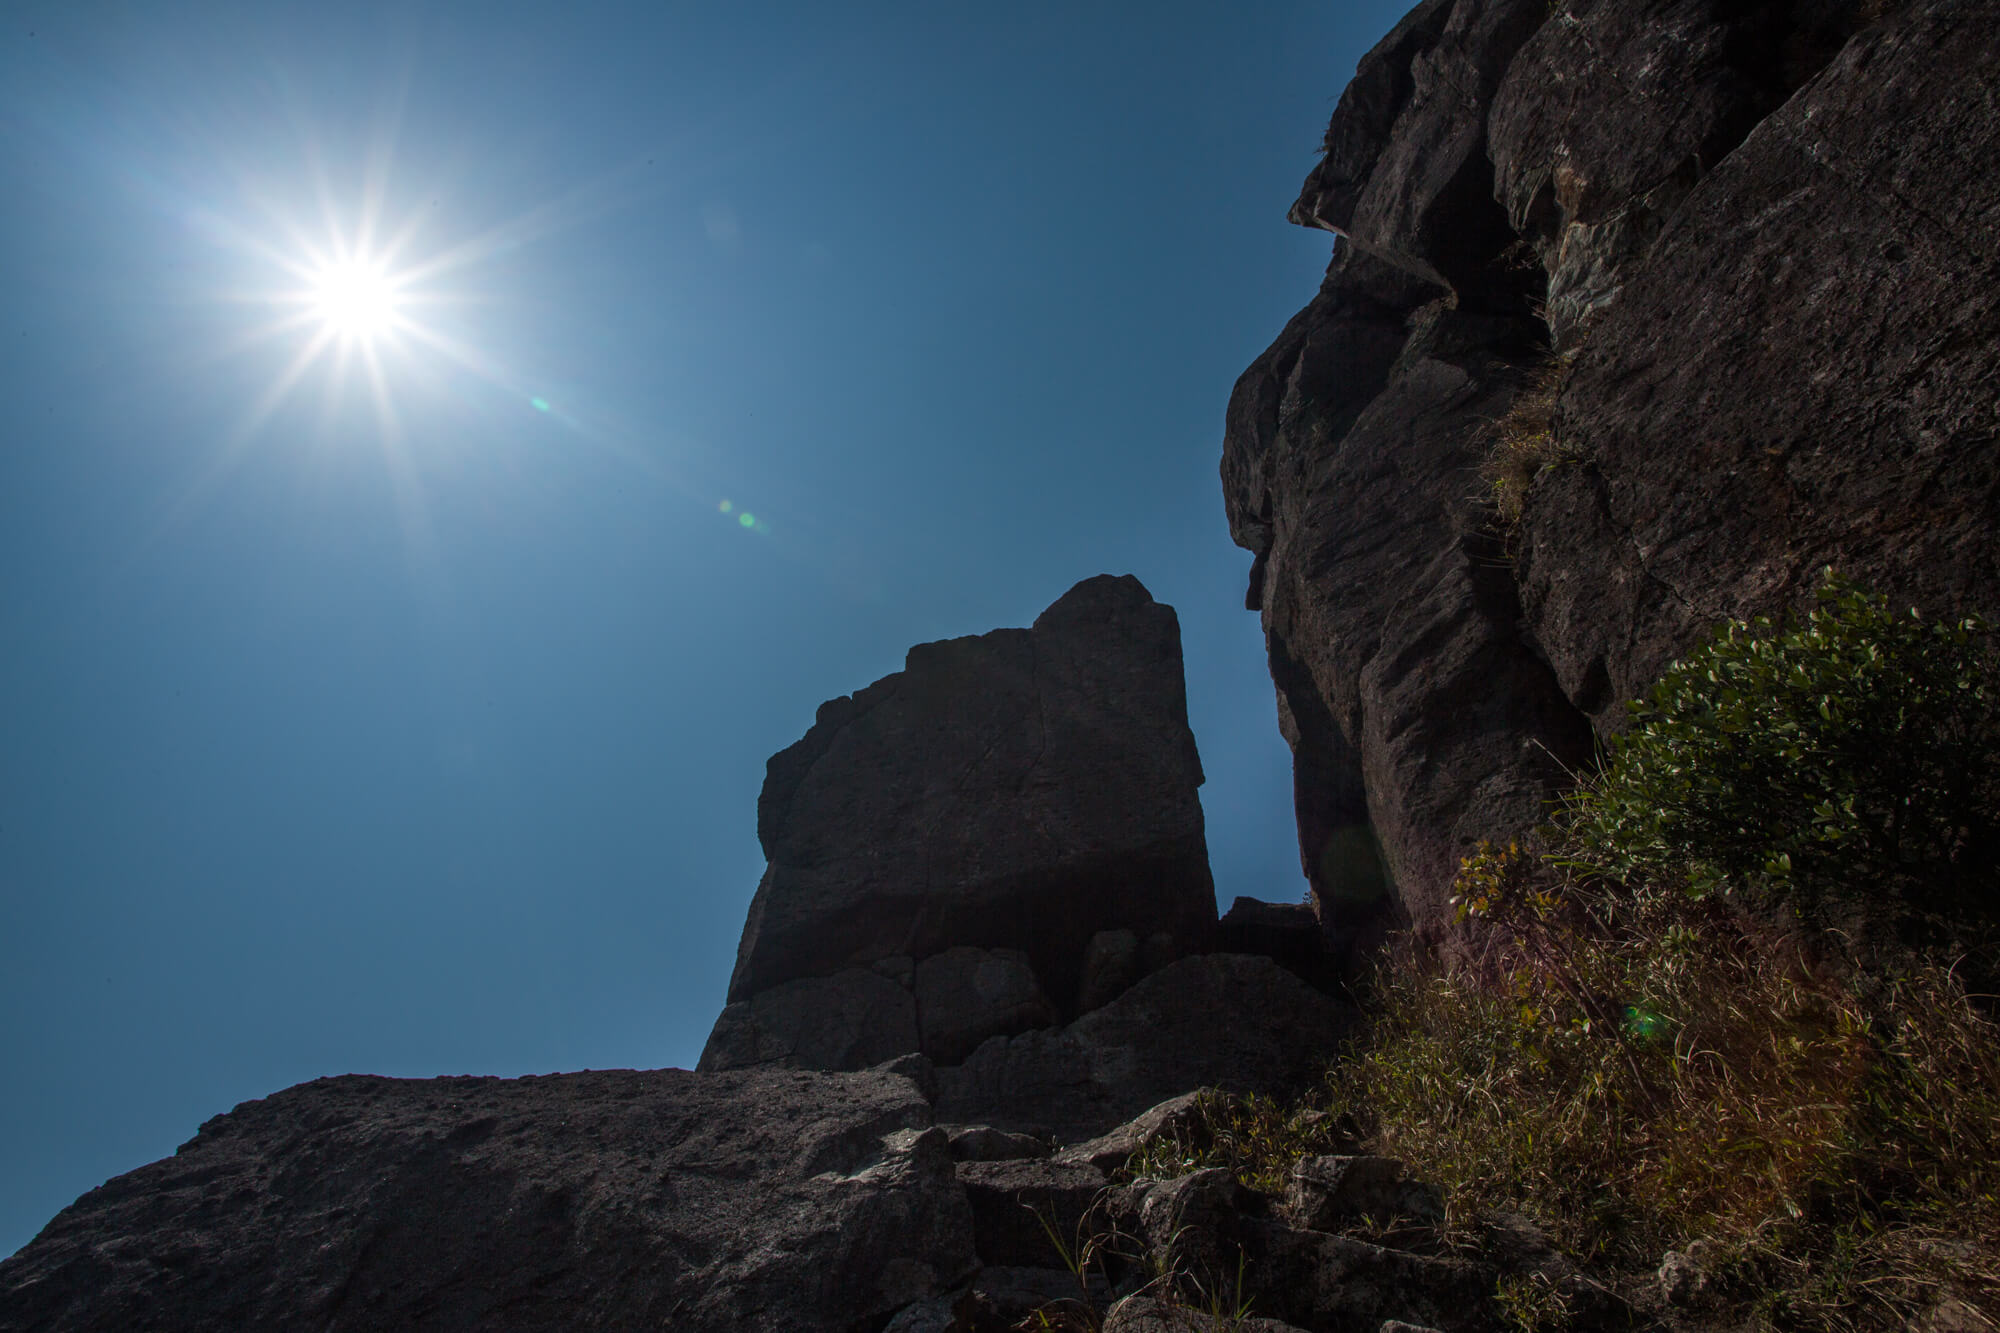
x=1852 y=755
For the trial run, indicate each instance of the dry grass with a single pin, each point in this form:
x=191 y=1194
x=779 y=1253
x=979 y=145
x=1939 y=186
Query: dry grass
x=1257 y=1138
x=1524 y=439
x=1638 y=1072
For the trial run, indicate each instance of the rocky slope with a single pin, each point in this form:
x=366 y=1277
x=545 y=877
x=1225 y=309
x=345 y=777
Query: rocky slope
x=987 y=881
x=1746 y=248
x=1760 y=236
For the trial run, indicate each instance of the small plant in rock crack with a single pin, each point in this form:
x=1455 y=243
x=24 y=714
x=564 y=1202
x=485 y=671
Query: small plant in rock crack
x=1225 y=1312
x=1082 y=1255
x=1524 y=439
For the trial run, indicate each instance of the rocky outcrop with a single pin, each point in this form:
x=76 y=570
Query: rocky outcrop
x=968 y=826
x=1761 y=238
x=772 y=1199
x=1800 y=374
x=1231 y=1021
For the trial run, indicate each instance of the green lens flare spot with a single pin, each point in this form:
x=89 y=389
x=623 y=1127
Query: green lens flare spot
x=747 y=519
x=725 y=506
x=539 y=404
x=1644 y=1024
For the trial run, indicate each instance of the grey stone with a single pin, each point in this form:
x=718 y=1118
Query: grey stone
x=1405 y=175
x=1232 y=1021
x=935 y=1315
x=1022 y=789
x=965 y=995
x=1325 y=1193
x=852 y=1020
x=1110 y=967
x=1110 y=1151
x=1684 y=1275
x=1420 y=718
x=983 y=1143
x=1024 y=1211
x=621 y=1199
x=901 y=968
x=1606 y=119
x=1290 y=934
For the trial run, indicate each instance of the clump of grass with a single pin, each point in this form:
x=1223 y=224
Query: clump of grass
x=1259 y=1139
x=1524 y=439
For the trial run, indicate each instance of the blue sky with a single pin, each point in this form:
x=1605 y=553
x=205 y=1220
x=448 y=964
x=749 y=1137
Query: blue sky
x=400 y=704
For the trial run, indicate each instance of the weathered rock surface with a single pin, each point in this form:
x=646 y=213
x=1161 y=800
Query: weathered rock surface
x=1219 y=1238
x=1230 y=1021
x=1326 y=1193
x=1765 y=233
x=854 y=1019
x=1017 y=1204
x=1289 y=934
x=1023 y=791
x=983 y=1143
x=1111 y=1150
x=1800 y=374
x=965 y=995
x=601 y=1200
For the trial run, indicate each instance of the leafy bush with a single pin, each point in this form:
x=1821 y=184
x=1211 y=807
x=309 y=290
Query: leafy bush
x=1854 y=754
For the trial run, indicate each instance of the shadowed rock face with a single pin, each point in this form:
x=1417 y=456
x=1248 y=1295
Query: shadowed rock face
x=1020 y=791
x=1763 y=233
x=1231 y=1021
x=1801 y=373
x=602 y=1200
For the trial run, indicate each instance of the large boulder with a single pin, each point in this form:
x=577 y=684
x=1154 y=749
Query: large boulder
x=619 y=1199
x=1017 y=793
x=1758 y=235
x=855 y=1019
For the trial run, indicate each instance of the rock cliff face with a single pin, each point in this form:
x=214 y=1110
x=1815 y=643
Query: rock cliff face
x=1752 y=244
x=946 y=845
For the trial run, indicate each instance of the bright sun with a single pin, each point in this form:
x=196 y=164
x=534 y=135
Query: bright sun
x=355 y=300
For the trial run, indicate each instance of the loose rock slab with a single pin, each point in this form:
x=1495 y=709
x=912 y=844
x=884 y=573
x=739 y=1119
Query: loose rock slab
x=598 y=1200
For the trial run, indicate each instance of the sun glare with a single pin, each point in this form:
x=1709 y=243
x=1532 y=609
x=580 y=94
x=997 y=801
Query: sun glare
x=355 y=300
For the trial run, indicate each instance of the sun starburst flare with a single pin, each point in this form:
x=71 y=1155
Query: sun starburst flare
x=356 y=300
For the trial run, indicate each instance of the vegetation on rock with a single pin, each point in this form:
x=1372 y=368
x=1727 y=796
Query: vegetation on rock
x=1854 y=755
x=1644 y=1066
x=1701 y=1102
